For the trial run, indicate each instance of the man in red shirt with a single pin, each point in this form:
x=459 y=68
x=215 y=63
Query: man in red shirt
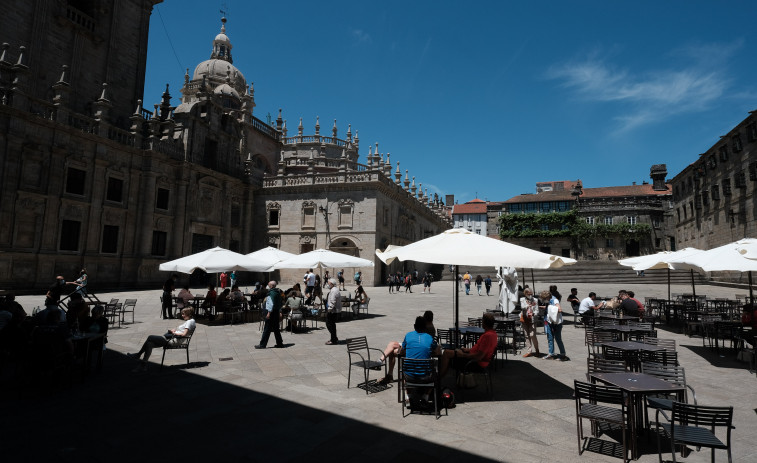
x=481 y=352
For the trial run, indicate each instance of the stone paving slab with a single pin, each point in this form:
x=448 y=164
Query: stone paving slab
x=293 y=403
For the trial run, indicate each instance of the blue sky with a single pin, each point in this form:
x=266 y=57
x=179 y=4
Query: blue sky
x=486 y=98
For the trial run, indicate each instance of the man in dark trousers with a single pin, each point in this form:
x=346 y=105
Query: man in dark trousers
x=168 y=288
x=273 y=303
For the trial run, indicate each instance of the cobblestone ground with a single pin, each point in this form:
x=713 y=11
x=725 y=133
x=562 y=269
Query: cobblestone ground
x=237 y=403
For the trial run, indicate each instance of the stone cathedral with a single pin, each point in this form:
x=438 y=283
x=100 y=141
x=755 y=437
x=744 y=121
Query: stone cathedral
x=93 y=176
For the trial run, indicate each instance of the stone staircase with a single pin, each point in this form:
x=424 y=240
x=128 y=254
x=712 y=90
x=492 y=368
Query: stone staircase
x=594 y=272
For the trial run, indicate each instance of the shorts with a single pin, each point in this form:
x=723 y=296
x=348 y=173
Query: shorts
x=341 y=279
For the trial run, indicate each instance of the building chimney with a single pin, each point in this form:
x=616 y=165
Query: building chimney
x=658 y=172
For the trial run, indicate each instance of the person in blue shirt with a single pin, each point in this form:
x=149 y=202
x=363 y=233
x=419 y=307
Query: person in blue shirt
x=418 y=344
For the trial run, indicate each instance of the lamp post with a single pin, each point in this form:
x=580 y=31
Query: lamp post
x=325 y=212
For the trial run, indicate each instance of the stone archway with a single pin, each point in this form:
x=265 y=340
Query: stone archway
x=345 y=246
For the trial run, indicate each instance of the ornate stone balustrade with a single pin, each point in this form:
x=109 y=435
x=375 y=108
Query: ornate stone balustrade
x=313 y=139
x=265 y=129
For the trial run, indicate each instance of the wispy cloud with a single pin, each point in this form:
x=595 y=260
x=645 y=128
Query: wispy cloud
x=651 y=95
x=360 y=36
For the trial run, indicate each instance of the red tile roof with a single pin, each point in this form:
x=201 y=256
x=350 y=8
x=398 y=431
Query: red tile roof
x=470 y=208
x=601 y=192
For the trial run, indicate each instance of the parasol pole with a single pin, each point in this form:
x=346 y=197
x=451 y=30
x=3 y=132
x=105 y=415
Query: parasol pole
x=533 y=282
x=751 y=294
x=668 y=283
x=456 y=303
x=693 y=289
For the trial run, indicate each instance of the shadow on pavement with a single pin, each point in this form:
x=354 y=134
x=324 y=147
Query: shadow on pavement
x=119 y=416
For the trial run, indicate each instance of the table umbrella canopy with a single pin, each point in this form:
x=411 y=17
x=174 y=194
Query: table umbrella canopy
x=747 y=248
x=657 y=261
x=321 y=258
x=459 y=246
x=212 y=261
x=721 y=259
x=269 y=256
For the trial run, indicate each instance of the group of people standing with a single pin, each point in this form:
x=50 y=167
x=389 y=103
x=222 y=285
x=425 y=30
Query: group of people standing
x=397 y=280
x=546 y=307
x=480 y=282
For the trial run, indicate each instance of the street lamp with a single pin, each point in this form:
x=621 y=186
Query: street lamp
x=325 y=212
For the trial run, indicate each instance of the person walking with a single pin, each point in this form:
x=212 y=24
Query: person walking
x=409 y=283
x=81 y=282
x=390 y=283
x=553 y=326
x=488 y=284
x=466 y=281
x=340 y=277
x=529 y=309
x=273 y=303
x=167 y=305
x=333 y=308
x=479 y=283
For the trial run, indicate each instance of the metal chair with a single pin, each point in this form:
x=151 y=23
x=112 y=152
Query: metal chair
x=688 y=425
x=128 y=306
x=668 y=344
x=429 y=380
x=600 y=365
x=113 y=312
x=602 y=404
x=359 y=348
x=672 y=374
x=181 y=342
x=594 y=340
x=473 y=368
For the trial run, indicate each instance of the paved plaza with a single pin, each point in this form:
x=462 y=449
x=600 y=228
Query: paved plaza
x=236 y=403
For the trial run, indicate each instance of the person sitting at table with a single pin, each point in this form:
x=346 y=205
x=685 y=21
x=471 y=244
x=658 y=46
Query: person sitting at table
x=223 y=298
x=481 y=352
x=295 y=308
x=295 y=290
x=153 y=341
x=360 y=299
x=417 y=344
x=589 y=305
x=237 y=297
x=78 y=312
x=632 y=296
x=96 y=324
x=184 y=297
x=210 y=301
x=628 y=306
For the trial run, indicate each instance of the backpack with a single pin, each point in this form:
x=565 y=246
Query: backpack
x=276 y=298
x=357 y=276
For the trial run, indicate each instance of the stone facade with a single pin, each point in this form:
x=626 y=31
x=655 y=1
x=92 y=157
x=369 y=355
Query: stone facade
x=714 y=197
x=630 y=205
x=92 y=179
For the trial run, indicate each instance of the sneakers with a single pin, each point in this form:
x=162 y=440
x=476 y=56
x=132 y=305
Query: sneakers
x=550 y=357
x=258 y=346
x=565 y=358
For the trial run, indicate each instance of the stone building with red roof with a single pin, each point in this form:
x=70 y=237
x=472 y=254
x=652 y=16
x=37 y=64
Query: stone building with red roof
x=590 y=223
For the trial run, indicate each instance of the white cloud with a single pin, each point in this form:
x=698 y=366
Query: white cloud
x=360 y=36
x=651 y=95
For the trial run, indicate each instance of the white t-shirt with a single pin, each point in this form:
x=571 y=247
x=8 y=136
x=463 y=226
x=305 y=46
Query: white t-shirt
x=311 y=279
x=187 y=325
x=587 y=304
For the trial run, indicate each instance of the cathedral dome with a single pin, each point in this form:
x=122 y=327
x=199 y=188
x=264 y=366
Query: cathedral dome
x=215 y=69
x=226 y=89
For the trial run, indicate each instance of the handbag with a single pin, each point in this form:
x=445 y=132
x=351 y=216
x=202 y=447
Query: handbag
x=168 y=335
x=554 y=316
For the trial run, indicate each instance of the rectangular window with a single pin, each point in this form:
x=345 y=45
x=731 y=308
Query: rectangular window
x=727 y=187
x=545 y=227
x=159 y=243
x=69 y=235
x=273 y=218
x=386 y=216
x=590 y=220
x=515 y=208
x=723 y=153
x=740 y=179
x=751 y=132
x=75 y=179
x=345 y=216
x=656 y=223
x=563 y=206
x=236 y=215
x=161 y=199
x=115 y=190
x=609 y=243
x=705 y=197
x=631 y=219
x=736 y=143
x=546 y=207
x=698 y=201
x=530 y=207
x=753 y=171
x=308 y=217
x=110 y=239
x=608 y=220
x=306 y=247
x=712 y=162
x=715 y=192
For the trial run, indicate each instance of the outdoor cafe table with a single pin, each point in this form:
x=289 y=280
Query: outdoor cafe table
x=632 y=351
x=638 y=385
x=468 y=332
x=624 y=330
x=619 y=319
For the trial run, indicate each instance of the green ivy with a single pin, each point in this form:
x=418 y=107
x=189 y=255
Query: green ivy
x=565 y=224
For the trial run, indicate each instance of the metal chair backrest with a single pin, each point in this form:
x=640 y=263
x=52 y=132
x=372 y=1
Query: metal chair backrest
x=670 y=373
x=600 y=365
x=182 y=342
x=357 y=344
x=668 y=344
x=130 y=302
x=474 y=322
x=595 y=393
x=701 y=415
x=426 y=367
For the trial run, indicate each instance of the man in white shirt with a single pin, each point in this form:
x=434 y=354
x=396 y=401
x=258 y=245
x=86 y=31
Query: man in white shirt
x=588 y=304
x=310 y=282
x=334 y=306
